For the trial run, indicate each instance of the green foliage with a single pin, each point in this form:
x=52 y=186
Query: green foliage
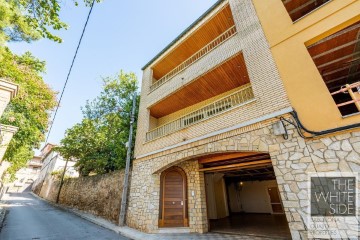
x=28 y=20
x=98 y=142
x=58 y=173
x=30 y=110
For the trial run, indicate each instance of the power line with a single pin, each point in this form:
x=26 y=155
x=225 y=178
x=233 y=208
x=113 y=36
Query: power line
x=68 y=75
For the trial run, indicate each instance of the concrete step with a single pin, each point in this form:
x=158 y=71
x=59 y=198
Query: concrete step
x=175 y=230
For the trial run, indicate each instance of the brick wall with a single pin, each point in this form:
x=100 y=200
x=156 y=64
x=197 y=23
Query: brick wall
x=264 y=77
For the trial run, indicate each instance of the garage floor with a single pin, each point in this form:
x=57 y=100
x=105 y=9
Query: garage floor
x=253 y=224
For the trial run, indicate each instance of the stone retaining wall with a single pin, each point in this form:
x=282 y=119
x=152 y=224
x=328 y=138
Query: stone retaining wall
x=99 y=195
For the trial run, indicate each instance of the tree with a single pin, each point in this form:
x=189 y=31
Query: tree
x=99 y=141
x=29 y=20
x=30 y=110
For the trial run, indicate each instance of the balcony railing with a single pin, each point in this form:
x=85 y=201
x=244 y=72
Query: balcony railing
x=355 y=95
x=195 y=57
x=241 y=97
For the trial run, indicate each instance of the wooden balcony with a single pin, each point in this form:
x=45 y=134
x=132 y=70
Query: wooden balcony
x=228 y=75
x=337 y=57
x=241 y=97
x=194 y=43
x=300 y=8
x=194 y=58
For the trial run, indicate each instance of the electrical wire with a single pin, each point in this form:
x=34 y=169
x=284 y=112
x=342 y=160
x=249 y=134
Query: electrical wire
x=70 y=69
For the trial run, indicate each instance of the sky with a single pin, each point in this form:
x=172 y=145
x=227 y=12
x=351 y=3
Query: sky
x=120 y=35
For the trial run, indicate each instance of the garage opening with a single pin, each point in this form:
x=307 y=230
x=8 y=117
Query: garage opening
x=242 y=195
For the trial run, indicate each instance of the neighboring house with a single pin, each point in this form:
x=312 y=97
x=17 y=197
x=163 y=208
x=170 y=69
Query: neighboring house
x=218 y=147
x=27 y=175
x=8 y=91
x=53 y=162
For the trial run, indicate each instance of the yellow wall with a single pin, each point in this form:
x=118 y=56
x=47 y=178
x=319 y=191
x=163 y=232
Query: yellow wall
x=306 y=90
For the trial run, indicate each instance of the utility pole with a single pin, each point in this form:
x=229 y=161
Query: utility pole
x=62 y=181
x=127 y=167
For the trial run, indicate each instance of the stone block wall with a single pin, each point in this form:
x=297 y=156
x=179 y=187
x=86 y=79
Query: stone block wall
x=292 y=159
x=99 y=195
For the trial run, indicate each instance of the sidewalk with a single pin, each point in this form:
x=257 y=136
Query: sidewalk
x=137 y=235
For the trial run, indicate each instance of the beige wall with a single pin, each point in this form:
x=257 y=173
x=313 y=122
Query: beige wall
x=304 y=85
x=254 y=196
x=216 y=199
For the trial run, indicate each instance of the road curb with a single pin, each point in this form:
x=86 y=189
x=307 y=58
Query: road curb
x=2 y=214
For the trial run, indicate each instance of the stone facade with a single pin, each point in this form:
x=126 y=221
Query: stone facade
x=292 y=159
x=248 y=128
x=99 y=195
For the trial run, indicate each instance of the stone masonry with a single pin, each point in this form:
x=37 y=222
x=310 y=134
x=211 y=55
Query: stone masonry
x=292 y=160
x=99 y=195
x=241 y=129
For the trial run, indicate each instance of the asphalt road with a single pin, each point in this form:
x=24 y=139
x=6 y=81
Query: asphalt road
x=30 y=218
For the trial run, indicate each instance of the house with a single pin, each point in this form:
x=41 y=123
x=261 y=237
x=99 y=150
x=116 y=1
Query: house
x=239 y=111
x=52 y=162
x=27 y=175
x=8 y=91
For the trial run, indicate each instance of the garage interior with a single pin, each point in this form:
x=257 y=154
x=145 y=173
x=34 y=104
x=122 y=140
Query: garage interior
x=337 y=57
x=242 y=195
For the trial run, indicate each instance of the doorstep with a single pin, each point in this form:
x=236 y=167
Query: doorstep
x=174 y=230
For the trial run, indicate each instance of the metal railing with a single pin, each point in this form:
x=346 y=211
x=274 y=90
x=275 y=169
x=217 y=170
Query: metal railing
x=355 y=96
x=238 y=98
x=195 y=57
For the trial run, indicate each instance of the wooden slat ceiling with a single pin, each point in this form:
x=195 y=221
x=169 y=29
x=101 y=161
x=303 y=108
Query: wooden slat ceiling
x=251 y=174
x=239 y=166
x=223 y=78
x=222 y=21
x=337 y=58
x=299 y=8
x=233 y=158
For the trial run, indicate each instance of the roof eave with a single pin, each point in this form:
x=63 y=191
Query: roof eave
x=183 y=33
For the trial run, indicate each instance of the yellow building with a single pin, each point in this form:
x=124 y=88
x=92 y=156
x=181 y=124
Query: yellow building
x=316 y=49
x=241 y=112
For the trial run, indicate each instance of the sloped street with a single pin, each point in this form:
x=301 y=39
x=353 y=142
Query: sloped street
x=31 y=218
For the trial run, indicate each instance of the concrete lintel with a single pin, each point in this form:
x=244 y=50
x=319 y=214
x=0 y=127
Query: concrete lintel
x=11 y=87
x=9 y=128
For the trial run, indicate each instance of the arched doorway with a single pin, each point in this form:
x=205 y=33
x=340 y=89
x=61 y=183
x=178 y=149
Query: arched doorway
x=173 y=198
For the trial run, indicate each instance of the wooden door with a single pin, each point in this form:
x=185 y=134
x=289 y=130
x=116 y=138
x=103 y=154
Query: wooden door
x=173 y=202
x=275 y=200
